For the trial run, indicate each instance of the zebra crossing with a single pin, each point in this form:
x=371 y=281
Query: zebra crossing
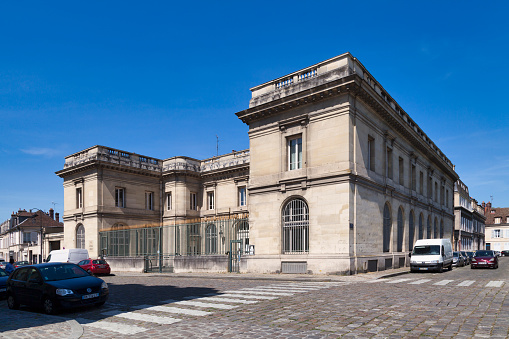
x=145 y=316
x=443 y=282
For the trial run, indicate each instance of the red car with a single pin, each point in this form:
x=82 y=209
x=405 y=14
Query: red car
x=95 y=266
x=484 y=258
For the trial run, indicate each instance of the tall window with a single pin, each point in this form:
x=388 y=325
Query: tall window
x=442 y=194
x=414 y=178
x=447 y=198
x=149 y=200
x=428 y=229
x=401 y=171
x=371 y=153
x=441 y=228
x=498 y=220
x=210 y=200
x=435 y=229
x=211 y=239
x=496 y=234
x=192 y=201
x=120 y=197
x=79 y=198
x=389 y=163
x=421 y=227
x=411 y=231
x=387 y=225
x=430 y=187
x=421 y=182
x=193 y=239
x=242 y=196
x=400 y=230
x=168 y=201
x=295 y=153
x=295 y=220
x=242 y=233
x=80 y=236
x=436 y=192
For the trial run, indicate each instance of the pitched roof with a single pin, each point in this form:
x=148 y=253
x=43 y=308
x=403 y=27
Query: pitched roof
x=497 y=212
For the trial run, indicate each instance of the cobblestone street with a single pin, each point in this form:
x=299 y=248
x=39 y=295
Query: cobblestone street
x=462 y=303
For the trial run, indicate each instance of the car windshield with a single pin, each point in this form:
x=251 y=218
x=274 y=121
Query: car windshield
x=3 y=273
x=456 y=254
x=99 y=261
x=484 y=253
x=427 y=250
x=62 y=272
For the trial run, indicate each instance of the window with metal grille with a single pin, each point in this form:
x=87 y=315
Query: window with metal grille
x=211 y=239
x=295 y=227
x=80 y=237
x=242 y=233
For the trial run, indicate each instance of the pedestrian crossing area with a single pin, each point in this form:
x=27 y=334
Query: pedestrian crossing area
x=171 y=311
x=443 y=282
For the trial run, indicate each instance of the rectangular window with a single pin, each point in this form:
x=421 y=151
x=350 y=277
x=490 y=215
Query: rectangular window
x=436 y=192
x=120 y=197
x=168 y=201
x=496 y=234
x=401 y=171
x=149 y=201
x=389 y=163
x=295 y=153
x=210 y=200
x=371 y=153
x=498 y=220
x=242 y=196
x=442 y=194
x=447 y=198
x=421 y=182
x=192 y=202
x=430 y=187
x=79 y=198
x=413 y=178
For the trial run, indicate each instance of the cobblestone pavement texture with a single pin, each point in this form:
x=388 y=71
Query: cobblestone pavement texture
x=390 y=304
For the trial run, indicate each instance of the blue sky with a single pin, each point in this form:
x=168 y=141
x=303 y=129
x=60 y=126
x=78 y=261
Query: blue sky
x=163 y=78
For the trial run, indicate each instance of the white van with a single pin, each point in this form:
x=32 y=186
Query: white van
x=431 y=254
x=73 y=255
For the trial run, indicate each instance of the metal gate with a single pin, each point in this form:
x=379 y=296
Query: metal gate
x=234 y=256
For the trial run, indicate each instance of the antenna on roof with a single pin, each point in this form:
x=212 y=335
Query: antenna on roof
x=491 y=199
x=217 y=145
x=54 y=203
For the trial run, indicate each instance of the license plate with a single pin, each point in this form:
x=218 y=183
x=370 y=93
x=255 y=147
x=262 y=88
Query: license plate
x=3 y=289
x=423 y=268
x=481 y=263
x=88 y=296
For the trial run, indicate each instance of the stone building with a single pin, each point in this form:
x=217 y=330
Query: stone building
x=497 y=227
x=338 y=179
x=469 y=222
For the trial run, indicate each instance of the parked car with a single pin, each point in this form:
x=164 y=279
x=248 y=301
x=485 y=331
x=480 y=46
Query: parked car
x=484 y=258
x=505 y=253
x=53 y=286
x=466 y=257
x=20 y=263
x=2 y=264
x=95 y=266
x=431 y=254
x=457 y=259
x=72 y=255
x=3 y=283
x=470 y=255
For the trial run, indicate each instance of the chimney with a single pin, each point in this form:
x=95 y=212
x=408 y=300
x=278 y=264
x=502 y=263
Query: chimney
x=488 y=208
x=57 y=217
x=51 y=213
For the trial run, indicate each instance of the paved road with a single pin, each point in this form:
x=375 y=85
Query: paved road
x=461 y=303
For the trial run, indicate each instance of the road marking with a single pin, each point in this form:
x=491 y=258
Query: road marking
x=200 y=304
x=111 y=326
x=397 y=281
x=421 y=281
x=495 y=283
x=244 y=296
x=297 y=288
x=248 y=291
x=174 y=310
x=142 y=317
x=274 y=289
x=226 y=300
x=443 y=282
x=466 y=283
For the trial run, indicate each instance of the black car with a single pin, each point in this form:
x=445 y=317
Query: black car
x=53 y=286
x=3 y=283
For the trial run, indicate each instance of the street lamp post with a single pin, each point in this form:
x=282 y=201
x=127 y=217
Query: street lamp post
x=41 y=231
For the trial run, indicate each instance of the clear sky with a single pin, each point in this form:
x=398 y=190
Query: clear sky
x=163 y=78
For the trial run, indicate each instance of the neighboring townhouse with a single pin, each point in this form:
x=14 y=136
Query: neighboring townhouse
x=497 y=227
x=469 y=226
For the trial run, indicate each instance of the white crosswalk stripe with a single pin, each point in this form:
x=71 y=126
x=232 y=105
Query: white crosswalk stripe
x=495 y=283
x=142 y=317
x=226 y=300
x=421 y=281
x=274 y=289
x=112 y=326
x=397 y=281
x=247 y=296
x=199 y=304
x=466 y=283
x=174 y=310
x=249 y=291
x=443 y=282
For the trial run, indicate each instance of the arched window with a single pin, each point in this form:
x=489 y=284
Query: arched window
x=242 y=233
x=387 y=225
x=211 y=239
x=411 y=231
x=441 y=228
x=428 y=229
x=421 y=227
x=80 y=236
x=295 y=220
x=435 y=229
x=400 y=230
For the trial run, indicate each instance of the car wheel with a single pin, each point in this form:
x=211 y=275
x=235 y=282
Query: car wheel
x=450 y=267
x=100 y=304
x=12 y=303
x=441 y=269
x=48 y=306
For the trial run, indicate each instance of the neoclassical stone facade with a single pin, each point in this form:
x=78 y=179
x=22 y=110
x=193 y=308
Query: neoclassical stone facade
x=338 y=180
